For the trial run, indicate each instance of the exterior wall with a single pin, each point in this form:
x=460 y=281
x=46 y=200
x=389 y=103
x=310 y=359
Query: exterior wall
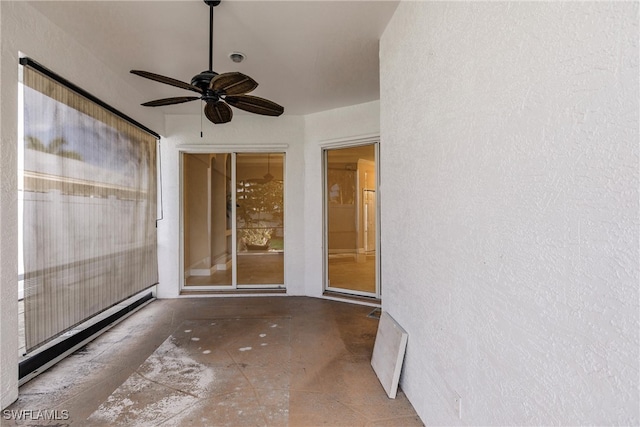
x=342 y=124
x=9 y=240
x=243 y=130
x=23 y=29
x=510 y=214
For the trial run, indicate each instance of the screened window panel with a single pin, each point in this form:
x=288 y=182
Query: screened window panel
x=89 y=194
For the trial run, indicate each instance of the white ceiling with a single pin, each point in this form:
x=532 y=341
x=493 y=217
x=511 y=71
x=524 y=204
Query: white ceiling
x=308 y=56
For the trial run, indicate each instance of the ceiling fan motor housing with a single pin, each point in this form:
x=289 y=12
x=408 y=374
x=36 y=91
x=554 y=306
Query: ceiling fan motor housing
x=202 y=80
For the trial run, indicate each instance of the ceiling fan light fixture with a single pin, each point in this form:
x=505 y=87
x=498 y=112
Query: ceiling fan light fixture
x=237 y=57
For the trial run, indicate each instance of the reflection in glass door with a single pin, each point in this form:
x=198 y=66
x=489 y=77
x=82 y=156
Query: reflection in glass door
x=260 y=219
x=351 y=220
x=233 y=220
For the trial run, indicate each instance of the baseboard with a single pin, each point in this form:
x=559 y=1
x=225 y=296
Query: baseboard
x=354 y=299
x=233 y=292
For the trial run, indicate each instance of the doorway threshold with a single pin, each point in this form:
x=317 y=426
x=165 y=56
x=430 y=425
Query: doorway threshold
x=232 y=292
x=354 y=299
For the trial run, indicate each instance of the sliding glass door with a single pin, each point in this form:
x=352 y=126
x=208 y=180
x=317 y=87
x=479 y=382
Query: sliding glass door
x=260 y=219
x=351 y=220
x=233 y=220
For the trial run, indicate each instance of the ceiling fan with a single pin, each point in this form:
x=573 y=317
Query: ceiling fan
x=218 y=91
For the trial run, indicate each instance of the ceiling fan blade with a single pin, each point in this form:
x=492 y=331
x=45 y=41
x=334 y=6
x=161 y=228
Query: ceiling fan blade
x=233 y=83
x=218 y=112
x=170 y=101
x=254 y=104
x=166 y=80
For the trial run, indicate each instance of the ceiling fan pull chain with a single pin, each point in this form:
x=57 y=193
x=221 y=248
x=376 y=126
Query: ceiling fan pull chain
x=201 y=116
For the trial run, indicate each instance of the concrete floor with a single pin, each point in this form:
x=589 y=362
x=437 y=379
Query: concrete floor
x=272 y=361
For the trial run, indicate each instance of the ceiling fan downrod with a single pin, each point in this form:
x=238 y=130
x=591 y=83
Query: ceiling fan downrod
x=202 y=79
x=211 y=4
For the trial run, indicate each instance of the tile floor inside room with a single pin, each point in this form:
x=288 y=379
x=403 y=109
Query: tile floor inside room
x=267 y=361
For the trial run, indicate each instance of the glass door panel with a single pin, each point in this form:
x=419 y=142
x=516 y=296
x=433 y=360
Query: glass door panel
x=260 y=219
x=351 y=220
x=207 y=219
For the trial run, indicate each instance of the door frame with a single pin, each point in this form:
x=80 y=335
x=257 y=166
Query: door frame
x=339 y=144
x=221 y=149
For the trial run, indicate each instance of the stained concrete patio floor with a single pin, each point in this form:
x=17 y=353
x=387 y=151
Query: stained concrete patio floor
x=271 y=361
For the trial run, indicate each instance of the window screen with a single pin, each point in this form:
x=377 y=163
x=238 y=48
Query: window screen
x=89 y=197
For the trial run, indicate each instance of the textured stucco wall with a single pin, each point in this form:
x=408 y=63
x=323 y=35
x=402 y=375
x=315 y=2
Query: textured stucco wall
x=8 y=246
x=510 y=214
x=23 y=29
x=341 y=124
x=243 y=130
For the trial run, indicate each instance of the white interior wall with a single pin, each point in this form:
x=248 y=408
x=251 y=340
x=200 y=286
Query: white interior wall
x=322 y=129
x=23 y=29
x=510 y=214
